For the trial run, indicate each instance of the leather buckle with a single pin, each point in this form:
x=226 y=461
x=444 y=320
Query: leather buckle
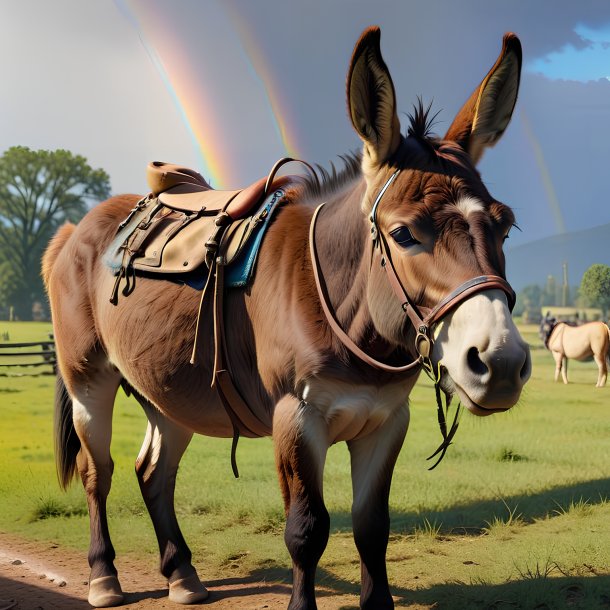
x=423 y=343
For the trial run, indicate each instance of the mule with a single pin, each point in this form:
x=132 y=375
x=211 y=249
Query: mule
x=590 y=341
x=318 y=362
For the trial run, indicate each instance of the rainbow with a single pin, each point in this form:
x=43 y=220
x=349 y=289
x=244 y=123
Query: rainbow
x=174 y=68
x=255 y=57
x=200 y=111
x=544 y=174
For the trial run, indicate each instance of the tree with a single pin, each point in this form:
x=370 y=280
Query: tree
x=39 y=191
x=595 y=285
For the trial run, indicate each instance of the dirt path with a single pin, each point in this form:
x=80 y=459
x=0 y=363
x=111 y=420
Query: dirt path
x=39 y=576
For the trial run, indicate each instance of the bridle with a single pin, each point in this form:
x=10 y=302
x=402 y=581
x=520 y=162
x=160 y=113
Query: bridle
x=423 y=319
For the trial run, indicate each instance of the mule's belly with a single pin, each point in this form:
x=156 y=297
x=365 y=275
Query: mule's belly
x=581 y=353
x=196 y=406
x=148 y=336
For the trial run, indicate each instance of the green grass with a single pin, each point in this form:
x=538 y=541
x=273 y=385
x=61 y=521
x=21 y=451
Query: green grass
x=516 y=516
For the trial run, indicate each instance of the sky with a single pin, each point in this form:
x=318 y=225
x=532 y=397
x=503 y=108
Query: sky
x=229 y=86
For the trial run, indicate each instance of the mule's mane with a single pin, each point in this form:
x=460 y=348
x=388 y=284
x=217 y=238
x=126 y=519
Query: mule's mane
x=328 y=182
x=421 y=122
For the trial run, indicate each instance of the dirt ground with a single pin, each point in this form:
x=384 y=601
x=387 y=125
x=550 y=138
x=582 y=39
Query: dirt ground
x=38 y=576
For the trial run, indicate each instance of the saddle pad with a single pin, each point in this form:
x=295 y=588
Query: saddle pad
x=241 y=269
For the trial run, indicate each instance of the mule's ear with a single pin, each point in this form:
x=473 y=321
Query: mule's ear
x=485 y=116
x=371 y=99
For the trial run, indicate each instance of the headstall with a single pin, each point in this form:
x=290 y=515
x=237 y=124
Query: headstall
x=423 y=324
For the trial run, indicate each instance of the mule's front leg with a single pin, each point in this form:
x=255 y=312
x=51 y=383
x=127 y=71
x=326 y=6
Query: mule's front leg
x=156 y=468
x=300 y=437
x=558 y=357
x=564 y=370
x=373 y=458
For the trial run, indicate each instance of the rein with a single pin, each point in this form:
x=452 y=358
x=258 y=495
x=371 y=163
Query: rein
x=422 y=323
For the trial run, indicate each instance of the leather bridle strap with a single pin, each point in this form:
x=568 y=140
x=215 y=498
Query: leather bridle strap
x=422 y=324
x=330 y=317
x=449 y=302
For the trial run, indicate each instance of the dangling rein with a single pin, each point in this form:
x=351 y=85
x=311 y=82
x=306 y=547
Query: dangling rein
x=423 y=324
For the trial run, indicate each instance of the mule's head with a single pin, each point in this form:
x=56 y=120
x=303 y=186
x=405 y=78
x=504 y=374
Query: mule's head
x=547 y=325
x=441 y=224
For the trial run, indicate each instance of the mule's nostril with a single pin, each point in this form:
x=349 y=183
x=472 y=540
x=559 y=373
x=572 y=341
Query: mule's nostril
x=475 y=363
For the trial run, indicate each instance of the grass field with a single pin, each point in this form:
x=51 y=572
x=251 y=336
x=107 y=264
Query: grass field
x=516 y=516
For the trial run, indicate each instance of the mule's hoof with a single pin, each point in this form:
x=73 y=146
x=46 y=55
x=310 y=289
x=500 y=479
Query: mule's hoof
x=105 y=592
x=187 y=590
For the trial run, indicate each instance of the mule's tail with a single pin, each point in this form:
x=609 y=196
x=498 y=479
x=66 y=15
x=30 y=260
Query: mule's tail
x=67 y=443
x=53 y=249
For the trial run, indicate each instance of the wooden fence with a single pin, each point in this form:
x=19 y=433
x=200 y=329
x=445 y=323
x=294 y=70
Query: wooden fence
x=19 y=358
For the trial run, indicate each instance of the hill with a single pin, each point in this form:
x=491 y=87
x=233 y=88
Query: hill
x=533 y=262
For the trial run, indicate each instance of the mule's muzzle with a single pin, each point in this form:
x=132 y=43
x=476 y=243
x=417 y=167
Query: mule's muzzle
x=489 y=382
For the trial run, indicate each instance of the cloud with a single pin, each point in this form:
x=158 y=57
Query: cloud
x=589 y=61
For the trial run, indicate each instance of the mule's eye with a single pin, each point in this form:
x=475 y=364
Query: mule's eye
x=403 y=237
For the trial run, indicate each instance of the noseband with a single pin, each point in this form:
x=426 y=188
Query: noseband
x=422 y=323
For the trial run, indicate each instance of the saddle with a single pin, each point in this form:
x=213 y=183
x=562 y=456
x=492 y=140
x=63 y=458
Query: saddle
x=183 y=229
x=183 y=224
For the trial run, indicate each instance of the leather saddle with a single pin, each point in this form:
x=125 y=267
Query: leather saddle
x=183 y=224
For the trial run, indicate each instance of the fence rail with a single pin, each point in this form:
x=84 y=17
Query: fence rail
x=18 y=355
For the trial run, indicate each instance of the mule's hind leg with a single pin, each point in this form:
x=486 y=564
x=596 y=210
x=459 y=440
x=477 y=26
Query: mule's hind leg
x=600 y=360
x=92 y=406
x=156 y=468
x=299 y=434
x=372 y=459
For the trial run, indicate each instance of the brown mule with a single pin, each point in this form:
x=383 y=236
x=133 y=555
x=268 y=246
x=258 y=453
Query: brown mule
x=440 y=229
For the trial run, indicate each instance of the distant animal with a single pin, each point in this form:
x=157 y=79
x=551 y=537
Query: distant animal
x=401 y=268
x=590 y=341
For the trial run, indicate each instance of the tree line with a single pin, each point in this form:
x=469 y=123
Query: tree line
x=39 y=191
x=593 y=291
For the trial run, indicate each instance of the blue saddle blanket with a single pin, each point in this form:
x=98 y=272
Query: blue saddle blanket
x=240 y=271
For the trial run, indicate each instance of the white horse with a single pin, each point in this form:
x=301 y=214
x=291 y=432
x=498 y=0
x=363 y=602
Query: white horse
x=583 y=343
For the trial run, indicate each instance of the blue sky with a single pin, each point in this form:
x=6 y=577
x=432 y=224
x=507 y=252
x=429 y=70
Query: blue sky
x=587 y=62
x=79 y=75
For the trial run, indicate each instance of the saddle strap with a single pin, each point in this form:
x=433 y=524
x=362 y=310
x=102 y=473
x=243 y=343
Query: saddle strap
x=243 y=418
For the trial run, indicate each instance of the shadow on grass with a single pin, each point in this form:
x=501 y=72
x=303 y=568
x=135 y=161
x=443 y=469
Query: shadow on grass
x=538 y=592
x=473 y=517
